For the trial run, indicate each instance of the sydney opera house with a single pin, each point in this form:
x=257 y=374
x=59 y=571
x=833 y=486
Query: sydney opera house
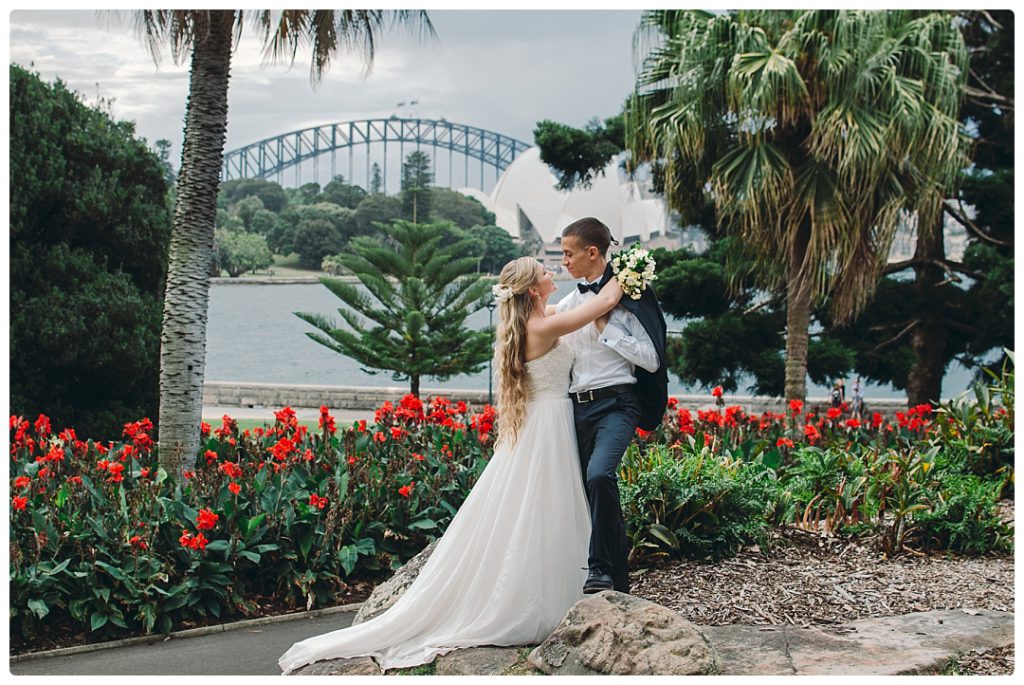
x=527 y=204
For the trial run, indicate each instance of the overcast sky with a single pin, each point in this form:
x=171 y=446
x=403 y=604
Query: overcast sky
x=499 y=70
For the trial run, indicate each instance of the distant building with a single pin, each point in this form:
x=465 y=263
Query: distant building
x=527 y=204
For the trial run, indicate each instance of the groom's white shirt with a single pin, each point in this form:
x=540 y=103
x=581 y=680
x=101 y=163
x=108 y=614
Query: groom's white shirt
x=610 y=357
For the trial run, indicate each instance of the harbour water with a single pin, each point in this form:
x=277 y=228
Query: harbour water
x=254 y=336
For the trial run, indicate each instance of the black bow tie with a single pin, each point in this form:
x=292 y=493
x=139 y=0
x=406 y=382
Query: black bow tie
x=594 y=287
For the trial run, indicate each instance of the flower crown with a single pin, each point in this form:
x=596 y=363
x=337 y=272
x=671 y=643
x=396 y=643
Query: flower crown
x=502 y=293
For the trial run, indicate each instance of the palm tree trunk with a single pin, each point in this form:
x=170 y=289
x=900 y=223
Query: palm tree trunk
x=928 y=341
x=183 y=336
x=798 y=316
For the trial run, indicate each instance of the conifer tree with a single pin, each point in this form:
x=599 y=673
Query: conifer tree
x=409 y=317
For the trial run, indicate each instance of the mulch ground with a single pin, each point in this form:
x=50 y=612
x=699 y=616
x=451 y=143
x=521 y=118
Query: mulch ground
x=805 y=578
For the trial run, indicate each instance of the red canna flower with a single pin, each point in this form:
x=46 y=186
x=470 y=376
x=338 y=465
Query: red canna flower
x=379 y=437
x=672 y=403
x=406 y=490
x=144 y=472
x=317 y=501
x=796 y=406
x=75 y=480
x=362 y=425
x=42 y=426
x=116 y=472
x=853 y=423
x=351 y=460
x=19 y=502
x=834 y=413
x=327 y=421
x=811 y=432
x=199 y=542
x=716 y=391
x=22 y=482
x=137 y=541
x=417 y=456
x=231 y=469
x=206 y=519
x=783 y=442
x=235 y=488
x=641 y=433
x=211 y=456
x=204 y=429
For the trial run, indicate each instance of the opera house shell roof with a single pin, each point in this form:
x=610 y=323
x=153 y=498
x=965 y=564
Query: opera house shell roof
x=525 y=201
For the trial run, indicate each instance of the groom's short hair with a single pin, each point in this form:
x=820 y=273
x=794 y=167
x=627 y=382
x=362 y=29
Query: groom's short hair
x=590 y=231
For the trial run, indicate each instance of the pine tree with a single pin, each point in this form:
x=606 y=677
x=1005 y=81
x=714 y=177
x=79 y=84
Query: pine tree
x=376 y=181
x=409 y=317
x=416 y=180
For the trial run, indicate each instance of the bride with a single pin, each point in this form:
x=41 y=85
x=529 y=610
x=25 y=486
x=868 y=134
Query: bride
x=514 y=558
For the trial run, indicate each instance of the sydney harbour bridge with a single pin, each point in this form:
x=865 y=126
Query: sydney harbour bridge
x=461 y=155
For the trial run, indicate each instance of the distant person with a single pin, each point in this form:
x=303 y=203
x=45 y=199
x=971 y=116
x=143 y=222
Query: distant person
x=858 y=400
x=838 y=393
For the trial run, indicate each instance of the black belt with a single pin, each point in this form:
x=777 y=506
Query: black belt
x=601 y=393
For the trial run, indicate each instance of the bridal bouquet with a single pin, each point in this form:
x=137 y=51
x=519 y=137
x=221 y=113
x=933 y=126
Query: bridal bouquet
x=634 y=269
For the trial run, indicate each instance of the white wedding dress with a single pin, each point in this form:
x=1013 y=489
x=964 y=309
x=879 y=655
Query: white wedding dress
x=511 y=563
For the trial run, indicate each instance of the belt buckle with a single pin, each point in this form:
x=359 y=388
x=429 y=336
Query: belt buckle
x=579 y=396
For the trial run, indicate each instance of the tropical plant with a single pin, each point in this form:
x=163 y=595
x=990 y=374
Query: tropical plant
x=206 y=36
x=818 y=132
x=409 y=318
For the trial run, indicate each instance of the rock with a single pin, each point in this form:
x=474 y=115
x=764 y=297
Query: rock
x=360 y=665
x=387 y=593
x=922 y=642
x=617 y=634
x=477 y=661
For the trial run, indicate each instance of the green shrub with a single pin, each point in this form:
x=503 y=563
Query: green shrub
x=686 y=501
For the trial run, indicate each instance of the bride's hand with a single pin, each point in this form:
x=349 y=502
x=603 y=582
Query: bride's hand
x=602 y=321
x=612 y=288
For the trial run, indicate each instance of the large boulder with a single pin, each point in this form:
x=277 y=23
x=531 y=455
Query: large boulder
x=617 y=634
x=387 y=593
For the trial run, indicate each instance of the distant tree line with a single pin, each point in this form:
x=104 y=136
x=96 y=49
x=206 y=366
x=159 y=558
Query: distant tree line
x=257 y=218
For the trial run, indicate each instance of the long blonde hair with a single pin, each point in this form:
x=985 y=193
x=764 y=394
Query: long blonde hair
x=510 y=345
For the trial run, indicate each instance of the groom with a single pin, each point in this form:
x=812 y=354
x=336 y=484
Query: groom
x=619 y=382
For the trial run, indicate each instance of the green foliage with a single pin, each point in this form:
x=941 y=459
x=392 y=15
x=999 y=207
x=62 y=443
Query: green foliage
x=578 y=155
x=499 y=248
x=417 y=195
x=339 y=192
x=238 y=252
x=315 y=239
x=410 y=318
x=271 y=194
x=688 y=501
x=463 y=211
x=89 y=233
x=377 y=209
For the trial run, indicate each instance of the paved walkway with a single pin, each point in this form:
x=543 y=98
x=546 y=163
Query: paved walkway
x=342 y=417
x=248 y=648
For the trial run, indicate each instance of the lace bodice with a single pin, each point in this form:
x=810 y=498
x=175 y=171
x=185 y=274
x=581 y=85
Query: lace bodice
x=549 y=374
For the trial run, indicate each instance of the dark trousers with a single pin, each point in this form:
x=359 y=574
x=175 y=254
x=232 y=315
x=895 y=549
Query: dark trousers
x=604 y=429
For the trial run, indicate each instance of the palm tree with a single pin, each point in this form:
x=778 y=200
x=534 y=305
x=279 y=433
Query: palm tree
x=208 y=36
x=818 y=133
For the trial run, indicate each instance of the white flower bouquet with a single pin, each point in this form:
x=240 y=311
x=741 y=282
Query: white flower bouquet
x=634 y=269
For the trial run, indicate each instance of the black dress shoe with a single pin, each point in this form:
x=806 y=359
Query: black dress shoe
x=597 y=582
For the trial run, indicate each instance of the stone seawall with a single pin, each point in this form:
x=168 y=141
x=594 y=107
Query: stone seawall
x=275 y=396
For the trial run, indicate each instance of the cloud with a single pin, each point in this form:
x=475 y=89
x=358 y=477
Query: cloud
x=500 y=70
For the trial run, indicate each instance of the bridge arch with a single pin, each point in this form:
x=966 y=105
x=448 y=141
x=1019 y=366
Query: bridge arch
x=271 y=157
